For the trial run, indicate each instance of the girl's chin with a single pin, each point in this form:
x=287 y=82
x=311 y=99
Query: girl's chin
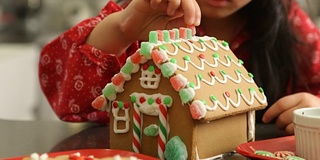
x=217 y=3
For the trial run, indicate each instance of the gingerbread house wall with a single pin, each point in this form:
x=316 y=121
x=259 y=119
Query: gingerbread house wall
x=179 y=118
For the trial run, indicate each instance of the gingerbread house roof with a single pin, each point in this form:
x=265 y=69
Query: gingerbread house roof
x=206 y=74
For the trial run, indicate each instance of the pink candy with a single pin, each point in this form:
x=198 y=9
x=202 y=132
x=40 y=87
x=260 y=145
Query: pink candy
x=183 y=33
x=197 y=110
x=178 y=82
x=117 y=79
x=160 y=35
x=99 y=102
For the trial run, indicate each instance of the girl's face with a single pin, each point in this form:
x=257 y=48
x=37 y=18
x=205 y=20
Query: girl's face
x=218 y=9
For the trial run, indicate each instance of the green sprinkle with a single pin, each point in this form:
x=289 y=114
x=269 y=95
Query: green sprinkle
x=150 y=101
x=176 y=44
x=204 y=102
x=201 y=40
x=214 y=39
x=264 y=153
x=120 y=105
x=186 y=58
x=239 y=90
x=223 y=72
x=192 y=85
x=238 y=71
x=167 y=100
x=163 y=47
x=229 y=57
x=199 y=76
x=224 y=43
x=215 y=55
x=250 y=75
x=151 y=68
x=251 y=90
x=153 y=37
x=240 y=61
x=173 y=60
x=261 y=90
x=133 y=99
x=213 y=98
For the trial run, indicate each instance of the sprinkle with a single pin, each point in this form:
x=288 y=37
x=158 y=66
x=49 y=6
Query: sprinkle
x=224 y=43
x=202 y=56
x=214 y=98
x=133 y=99
x=223 y=72
x=151 y=68
x=240 y=61
x=191 y=84
x=215 y=55
x=199 y=76
x=186 y=58
x=173 y=60
x=212 y=73
x=150 y=101
x=126 y=105
x=201 y=40
x=142 y=100
x=167 y=100
x=261 y=90
x=250 y=75
x=239 y=90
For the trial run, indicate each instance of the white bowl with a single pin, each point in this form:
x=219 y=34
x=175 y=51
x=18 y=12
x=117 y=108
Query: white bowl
x=307 y=132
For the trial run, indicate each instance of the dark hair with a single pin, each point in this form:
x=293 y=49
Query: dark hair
x=273 y=61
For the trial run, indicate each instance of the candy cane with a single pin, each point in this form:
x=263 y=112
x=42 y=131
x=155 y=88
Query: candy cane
x=163 y=132
x=136 y=138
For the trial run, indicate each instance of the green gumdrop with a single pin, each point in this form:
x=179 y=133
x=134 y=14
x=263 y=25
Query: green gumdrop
x=185 y=95
x=151 y=130
x=153 y=37
x=109 y=90
x=167 y=70
x=175 y=149
x=127 y=68
x=146 y=49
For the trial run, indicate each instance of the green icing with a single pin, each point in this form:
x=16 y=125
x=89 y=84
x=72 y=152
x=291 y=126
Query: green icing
x=151 y=68
x=261 y=90
x=240 y=61
x=175 y=149
x=250 y=75
x=186 y=58
x=224 y=43
x=191 y=84
x=163 y=47
x=173 y=60
x=215 y=55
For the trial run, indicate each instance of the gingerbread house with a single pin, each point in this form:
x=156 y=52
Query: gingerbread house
x=181 y=96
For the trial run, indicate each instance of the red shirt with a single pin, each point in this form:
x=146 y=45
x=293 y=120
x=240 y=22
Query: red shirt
x=73 y=73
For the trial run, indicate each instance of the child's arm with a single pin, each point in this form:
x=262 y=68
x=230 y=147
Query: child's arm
x=117 y=31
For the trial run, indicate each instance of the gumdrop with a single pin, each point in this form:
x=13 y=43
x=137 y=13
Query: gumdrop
x=109 y=91
x=99 y=102
x=175 y=149
x=117 y=79
x=178 y=82
x=186 y=95
x=136 y=57
x=197 y=109
x=159 y=56
x=168 y=69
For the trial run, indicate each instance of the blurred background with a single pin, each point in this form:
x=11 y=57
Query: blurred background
x=25 y=26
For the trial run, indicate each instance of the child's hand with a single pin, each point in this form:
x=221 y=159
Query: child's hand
x=283 y=109
x=142 y=16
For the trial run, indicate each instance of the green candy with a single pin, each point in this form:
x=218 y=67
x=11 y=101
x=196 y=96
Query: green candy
x=127 y=68
x=109 y=90
x=153 y=37
x=166 y=36
x=264 y=153
x=175 y=149
x=167 y=100
x=146 y=49
x=151 y=130
x=185 y=95
x=167 y=69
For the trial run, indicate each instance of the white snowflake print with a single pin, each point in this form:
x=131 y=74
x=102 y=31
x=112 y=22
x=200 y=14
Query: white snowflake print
x=74 y=108
x=100 y=71
x=96 y=91
x=64 y=43
x=297 y=21
x=92 y=116
x=78 y=85
x=44 y=80
x=59 y=66
x=45 y=59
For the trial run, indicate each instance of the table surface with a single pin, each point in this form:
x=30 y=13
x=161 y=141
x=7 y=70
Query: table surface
x=20 y=138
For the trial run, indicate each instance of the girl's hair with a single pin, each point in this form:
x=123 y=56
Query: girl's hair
x=273 y=60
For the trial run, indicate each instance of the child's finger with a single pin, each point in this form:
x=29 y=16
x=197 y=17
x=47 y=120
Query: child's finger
x=173 y=6
x=189 y=10
x=155 y=3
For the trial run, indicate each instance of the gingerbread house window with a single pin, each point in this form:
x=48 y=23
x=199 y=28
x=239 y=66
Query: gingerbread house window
x=150 y=77
x=120 y=111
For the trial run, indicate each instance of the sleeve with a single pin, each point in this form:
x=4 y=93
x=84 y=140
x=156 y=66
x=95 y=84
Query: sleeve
x=72 y=73
x=307 y=33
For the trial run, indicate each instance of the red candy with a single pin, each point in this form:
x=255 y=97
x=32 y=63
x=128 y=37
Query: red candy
x=99 y=102
x=160 y=35
x=136 y=57
x=196 y=111
x=172 y=34
x=157 y=56
x=117 y=79
x=183 y=33
x=177 y=83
